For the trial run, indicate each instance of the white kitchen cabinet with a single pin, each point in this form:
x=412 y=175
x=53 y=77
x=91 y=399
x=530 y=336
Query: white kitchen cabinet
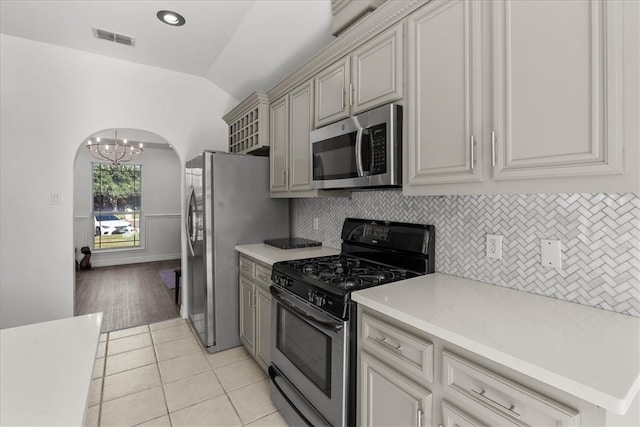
x=300 y=119
x=371 y=76
x=247 y=314
x=291 y=118
x=279 y=128
x=255 y=309
x=494 y=104
x=465 y=390
x=249 y=125
x=406 y=352
x=389 y=398
x=499 y=400
x=263 y=326
x=455 y=417
x=557 y=88
x=331 y=94
x=377 y=71
x=444 y=114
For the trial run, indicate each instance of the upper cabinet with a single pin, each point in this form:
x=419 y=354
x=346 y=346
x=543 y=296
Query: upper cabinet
x=443 y=106
x=332 y=85
x=291 y=118
x=371 y=76
x=249 y=125
x=557 y=90
x=377 y=71
x=279 y=135
x=499 y=96
x=522 y=96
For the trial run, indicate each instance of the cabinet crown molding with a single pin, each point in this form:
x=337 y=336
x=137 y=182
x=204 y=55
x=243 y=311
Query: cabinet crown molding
x=253 y=99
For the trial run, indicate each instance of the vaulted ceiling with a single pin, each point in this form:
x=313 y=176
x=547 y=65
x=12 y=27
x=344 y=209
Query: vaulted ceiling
x=240 y=46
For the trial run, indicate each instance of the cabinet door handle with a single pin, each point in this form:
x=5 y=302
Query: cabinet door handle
x=419 y=415
x=481 y=397
x=342 y=98
x=245 y=267
x=263 y=278
x=472 y=149
x=350 y=94
x=391 y=347
x=493 y=149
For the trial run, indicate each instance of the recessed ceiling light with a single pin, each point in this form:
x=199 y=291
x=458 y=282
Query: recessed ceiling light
x=171 y=18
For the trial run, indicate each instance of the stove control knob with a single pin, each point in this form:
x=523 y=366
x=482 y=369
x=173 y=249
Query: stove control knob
x=284 y=281
x=319 y=300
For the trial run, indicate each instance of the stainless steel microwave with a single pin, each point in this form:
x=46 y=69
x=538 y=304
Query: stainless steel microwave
x=363 y=151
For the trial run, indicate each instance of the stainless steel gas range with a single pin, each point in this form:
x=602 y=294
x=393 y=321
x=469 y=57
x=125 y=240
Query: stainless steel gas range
x=314 y=320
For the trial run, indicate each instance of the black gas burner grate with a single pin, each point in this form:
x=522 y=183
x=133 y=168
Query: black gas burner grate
x=348 y=273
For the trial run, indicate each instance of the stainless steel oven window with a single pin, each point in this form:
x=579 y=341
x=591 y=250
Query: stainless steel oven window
x=306 y=347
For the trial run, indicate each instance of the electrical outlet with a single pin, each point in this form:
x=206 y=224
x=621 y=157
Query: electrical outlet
x=315 y=224
x=494 y=246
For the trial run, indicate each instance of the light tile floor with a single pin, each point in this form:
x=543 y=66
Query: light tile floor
x=158 y=375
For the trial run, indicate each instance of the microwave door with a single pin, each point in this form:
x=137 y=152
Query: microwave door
x=341 y=160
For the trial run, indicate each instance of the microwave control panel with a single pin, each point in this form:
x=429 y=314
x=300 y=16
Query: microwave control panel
x=378 y=135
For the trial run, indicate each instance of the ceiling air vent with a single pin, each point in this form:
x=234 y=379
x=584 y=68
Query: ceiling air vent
x=113 y=37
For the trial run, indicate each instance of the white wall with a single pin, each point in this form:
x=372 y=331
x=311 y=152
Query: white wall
x=161 y=209
x=51 y=99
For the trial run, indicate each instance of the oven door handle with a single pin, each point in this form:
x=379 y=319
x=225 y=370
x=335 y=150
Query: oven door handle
x=332 y=326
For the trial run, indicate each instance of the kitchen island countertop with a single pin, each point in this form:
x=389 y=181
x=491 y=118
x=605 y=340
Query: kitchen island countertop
x=587 y=352
x=46 y=371
x=270 y=254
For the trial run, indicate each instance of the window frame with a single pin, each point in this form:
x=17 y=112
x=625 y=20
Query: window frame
x=120 y=213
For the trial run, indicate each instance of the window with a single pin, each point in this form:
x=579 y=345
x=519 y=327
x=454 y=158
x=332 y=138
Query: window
x=117 y=199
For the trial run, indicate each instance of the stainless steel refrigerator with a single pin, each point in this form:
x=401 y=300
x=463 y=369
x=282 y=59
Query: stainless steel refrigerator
x=228 y=204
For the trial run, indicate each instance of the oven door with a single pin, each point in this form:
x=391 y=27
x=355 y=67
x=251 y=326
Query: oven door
x=309 y=349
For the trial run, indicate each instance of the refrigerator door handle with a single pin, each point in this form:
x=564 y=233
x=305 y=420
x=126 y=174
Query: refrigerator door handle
x=192 y=223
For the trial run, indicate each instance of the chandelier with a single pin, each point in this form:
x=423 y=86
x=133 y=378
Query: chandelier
x=114 y=150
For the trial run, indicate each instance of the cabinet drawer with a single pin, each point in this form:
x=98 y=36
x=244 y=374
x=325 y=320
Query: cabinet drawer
x=247 y=267
x=402 y=350
x=263 y=275
x=455 y=417
x=494 y=397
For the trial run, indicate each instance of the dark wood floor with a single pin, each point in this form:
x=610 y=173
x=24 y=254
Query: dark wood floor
x=128 y=295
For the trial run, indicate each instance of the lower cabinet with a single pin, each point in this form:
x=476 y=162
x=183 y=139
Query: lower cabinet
x=255 y=309
x=497 y=400
x=396 y=367
x=455 y=417
x=410 y=378
x=389 y=398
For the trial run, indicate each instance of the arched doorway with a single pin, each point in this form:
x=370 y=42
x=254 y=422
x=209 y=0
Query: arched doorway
x=125 y=279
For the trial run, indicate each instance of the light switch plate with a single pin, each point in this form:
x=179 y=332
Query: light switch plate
x=551 y=253
x=55 y=198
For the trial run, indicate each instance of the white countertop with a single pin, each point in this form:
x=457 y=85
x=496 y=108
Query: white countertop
x=46 y=369
x=587 y=352
x=270 y=254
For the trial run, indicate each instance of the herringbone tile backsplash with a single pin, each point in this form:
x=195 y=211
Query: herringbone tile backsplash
x=600 y=235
